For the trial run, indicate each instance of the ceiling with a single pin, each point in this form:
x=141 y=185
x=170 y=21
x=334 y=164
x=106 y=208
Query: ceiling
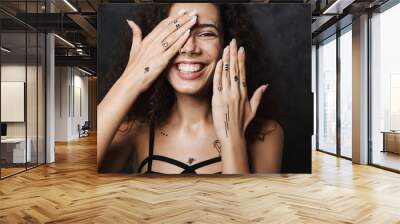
x=76 y=22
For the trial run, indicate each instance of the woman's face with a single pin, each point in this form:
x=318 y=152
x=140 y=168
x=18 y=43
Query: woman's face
x=191 y=71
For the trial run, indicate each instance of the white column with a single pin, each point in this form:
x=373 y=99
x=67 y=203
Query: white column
x=50 y=93
x=360 y=90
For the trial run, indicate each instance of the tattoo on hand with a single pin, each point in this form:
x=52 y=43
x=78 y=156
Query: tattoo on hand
x=218 y=146
x=226 y=122
x=146 y=69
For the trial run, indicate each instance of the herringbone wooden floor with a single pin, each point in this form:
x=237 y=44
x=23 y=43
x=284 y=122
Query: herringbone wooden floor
x=70 y=191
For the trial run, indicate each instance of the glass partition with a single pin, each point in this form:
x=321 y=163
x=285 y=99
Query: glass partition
x=346 y=93
x=13 y=105
x=22 y=88
x=327 y=95
x=385 y=88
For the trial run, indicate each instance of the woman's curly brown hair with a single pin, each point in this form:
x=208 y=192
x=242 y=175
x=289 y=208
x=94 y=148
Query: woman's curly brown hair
x=154 y=105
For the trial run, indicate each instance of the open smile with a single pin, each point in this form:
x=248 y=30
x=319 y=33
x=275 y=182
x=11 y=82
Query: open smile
x=190 y=71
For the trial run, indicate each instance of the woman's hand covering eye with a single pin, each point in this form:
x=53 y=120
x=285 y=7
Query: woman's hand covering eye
x=151 y=55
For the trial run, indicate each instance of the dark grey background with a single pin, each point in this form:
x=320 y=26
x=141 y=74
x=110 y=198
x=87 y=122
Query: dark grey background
x=286 y=33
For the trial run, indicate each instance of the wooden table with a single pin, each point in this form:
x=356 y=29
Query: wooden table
x=391 y=141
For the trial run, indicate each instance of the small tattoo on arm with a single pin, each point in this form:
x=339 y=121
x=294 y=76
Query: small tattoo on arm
x=146 y=69
x=261 y=136
x=190 y=160
x=218 y=146
x=227 y=121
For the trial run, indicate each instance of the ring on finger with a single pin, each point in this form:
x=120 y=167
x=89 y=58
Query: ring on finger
x=226 y=67
x=244 y=84
x=220 y=87
x=165 y=44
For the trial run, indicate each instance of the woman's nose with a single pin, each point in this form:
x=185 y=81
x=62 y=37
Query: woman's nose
x=190 y=46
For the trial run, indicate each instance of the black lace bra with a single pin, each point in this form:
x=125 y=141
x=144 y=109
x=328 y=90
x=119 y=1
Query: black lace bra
x=186 y=168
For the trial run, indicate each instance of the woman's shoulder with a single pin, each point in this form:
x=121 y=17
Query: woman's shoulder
x=131 y=130
x=270 y=128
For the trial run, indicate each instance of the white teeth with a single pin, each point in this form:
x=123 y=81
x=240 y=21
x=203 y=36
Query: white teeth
x=189 y=67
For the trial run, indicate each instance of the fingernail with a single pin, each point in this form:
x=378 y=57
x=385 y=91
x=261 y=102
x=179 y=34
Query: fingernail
x=193 y=13
x=241 y=50
x=129 y=21
x=181 y=12
x=187 y=32
x=265 y=87
x=193 y=19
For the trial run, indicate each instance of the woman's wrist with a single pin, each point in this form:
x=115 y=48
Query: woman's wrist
x=234 y=155
x=134 y=85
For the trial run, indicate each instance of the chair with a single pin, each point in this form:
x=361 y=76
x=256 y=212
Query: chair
x=84 y=130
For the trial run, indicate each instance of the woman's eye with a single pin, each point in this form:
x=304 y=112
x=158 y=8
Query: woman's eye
x=207 y=34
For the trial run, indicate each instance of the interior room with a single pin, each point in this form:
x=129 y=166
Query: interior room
x=50 y=72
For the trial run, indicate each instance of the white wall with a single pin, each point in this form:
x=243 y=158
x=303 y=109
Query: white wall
x=16 y=72
x=61 y=103
x=33 y=127
x=71 y=94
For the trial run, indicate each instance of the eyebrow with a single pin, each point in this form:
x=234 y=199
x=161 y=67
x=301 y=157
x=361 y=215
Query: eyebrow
x=204 y=25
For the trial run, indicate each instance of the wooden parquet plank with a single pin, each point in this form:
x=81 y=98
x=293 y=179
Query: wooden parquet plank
x=71 y=191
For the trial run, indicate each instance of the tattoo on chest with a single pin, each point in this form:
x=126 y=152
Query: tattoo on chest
x=163 y=133
x=190 y=160
x=227 y=121
x=218 y=146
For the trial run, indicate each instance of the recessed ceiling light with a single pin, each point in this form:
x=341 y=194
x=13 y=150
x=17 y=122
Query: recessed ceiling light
x=70 y=5
x=64 y=40
x=5 y=50
x=84 y=71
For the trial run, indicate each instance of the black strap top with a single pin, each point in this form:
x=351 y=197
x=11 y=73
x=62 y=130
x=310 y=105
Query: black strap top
x=186 y=168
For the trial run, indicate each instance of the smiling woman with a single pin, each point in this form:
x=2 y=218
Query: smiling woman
x=187 y=96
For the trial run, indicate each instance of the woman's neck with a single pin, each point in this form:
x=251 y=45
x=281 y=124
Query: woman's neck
x=191 y=111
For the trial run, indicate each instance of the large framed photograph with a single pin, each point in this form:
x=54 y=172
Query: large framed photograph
x=204 y=88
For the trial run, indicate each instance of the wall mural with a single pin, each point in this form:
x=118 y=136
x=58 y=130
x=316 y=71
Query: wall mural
x=202 y=88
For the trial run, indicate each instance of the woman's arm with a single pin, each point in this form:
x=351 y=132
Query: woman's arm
x=266 y=150
x=232 y=110
x=148 y=58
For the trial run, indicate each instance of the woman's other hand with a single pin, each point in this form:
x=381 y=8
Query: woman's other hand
x=232 y=111
x=150 y=56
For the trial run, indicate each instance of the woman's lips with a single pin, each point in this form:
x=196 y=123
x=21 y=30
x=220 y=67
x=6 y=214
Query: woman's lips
x=189 y=71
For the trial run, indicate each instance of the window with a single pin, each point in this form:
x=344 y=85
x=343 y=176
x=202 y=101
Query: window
x=346 y=92
x=385 y=88
x=327 y=95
